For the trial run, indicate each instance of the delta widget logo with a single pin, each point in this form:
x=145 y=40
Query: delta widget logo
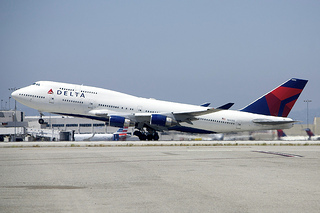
x=68 y=93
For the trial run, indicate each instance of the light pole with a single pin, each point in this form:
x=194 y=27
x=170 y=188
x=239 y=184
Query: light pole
x=9 y=102
x=15 y=114
x=307 y=101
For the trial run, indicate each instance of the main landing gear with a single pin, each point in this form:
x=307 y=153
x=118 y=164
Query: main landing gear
x=147 y=135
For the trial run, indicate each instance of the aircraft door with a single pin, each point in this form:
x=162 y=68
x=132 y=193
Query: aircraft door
x=91 y=104
x=51 y=96
x=51 y=100
x=238 y=125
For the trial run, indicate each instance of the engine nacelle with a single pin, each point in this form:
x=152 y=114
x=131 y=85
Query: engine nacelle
x=162 y=120
x=118 y=121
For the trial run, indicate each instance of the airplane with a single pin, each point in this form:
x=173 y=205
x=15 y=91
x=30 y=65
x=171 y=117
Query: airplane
x=283 y=136
x=120 y=135
x=311 y=135
x=149 y=116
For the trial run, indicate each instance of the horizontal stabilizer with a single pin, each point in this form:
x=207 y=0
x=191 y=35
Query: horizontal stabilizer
x=272 y=122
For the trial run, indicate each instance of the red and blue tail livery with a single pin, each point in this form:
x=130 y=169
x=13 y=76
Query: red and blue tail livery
x=121 y=134
x=279 y=101
x=281 y=133
x=309 y=132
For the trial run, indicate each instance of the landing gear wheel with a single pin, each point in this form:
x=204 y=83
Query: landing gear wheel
x=141 y=136
x=156 y=136
x=41 y=121
x=149 y=137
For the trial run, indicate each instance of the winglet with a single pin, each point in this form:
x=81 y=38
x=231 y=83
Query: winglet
x=206 y=104
x=279 y=101
x=226 y=106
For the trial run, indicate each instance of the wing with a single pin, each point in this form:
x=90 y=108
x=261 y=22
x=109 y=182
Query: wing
x=189 y=116
x=157 y=121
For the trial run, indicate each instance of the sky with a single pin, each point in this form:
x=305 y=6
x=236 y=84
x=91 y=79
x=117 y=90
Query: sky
x=182 y=51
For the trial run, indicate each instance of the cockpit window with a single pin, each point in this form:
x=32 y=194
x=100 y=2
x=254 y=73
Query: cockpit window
x=37 y=84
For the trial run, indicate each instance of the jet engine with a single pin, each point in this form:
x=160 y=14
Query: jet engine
x=118 y=121
x=162 y=120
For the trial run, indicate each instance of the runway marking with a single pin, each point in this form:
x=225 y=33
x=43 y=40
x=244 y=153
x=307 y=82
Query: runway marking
x=45 y=187
x=169 y=153
x=279 y=153
x=209 y=150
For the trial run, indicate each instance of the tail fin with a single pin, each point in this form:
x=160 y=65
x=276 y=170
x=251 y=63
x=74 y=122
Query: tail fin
x=281 y=133
x=122 y=130
x=279 y=101
x=121 y=134
x=309 y=132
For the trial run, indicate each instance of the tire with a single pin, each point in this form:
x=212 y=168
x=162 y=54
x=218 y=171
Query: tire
x=41 y=121
x=156 y=136
x=141 y=136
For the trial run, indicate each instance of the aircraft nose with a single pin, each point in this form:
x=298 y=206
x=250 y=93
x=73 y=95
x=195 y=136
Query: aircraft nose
x=15 y=94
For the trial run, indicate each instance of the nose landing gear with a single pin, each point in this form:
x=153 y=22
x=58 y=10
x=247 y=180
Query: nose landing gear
x=41 y=121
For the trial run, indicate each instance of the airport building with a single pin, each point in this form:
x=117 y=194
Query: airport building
x=12 y=124
x=15 y=126
x=299 y=129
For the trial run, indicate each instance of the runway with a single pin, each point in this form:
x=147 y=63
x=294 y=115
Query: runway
x=172 y=178
x=155 y=143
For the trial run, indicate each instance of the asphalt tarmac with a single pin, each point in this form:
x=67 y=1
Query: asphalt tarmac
x=184 y=178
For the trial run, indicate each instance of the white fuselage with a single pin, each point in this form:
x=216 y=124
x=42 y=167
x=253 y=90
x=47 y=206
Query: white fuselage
x=79 y=100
